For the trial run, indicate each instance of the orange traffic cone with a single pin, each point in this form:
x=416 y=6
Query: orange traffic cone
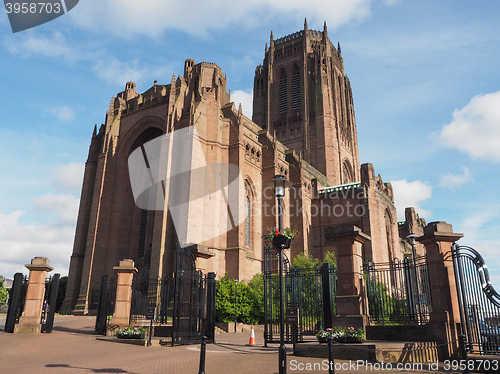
x=252 y=337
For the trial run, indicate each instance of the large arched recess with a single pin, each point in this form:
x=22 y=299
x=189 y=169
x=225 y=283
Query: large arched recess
x=143 y=131
x=137 y=235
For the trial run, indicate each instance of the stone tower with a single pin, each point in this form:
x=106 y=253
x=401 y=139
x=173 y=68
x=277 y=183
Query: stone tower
x=302 y=95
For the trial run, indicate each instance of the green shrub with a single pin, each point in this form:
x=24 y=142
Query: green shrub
x=4 y=293
x=249 y=301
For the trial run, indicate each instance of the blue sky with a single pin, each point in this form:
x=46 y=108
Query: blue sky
x=424 y=76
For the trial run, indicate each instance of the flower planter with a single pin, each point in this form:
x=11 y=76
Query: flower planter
x=281 y=242
x=343 y=335
x=344 y=340
x=131 y=333
x=349 y=340
x=135 y=336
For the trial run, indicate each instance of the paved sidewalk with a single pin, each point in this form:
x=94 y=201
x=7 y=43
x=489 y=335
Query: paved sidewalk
x=72 y=348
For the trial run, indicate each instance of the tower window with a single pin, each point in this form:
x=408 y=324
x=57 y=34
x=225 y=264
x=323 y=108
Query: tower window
x=296 y=88
x=247 y=221
x=346 y=173
x=283 y=104
x=248 y=215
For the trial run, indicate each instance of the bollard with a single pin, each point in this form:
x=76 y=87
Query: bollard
x=462 y=342
x=331 y=361
x=150 y=333
x=203 y=351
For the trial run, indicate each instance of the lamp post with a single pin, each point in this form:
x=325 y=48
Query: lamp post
x=235 y=303
x=280 y=183
x=411 y=239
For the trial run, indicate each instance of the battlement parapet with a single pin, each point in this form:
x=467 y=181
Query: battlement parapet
x=290 y=37
x=298 y=35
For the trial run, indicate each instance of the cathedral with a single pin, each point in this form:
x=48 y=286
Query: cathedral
x=303 y=127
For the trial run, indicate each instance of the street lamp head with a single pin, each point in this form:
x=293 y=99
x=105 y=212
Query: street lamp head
x=411 y=238
x=279 y=183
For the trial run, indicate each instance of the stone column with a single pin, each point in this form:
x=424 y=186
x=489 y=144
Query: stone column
x=125 y=271
x=31 y=319
x=445 y=316
x=351 y=295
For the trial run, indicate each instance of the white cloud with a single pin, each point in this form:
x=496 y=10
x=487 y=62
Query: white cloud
x=114 y=71
x=474 y=129
x=69 y=177
x=452 y=181
x=21 y=242
x=63 y=113
x=35 y=44
x=103 y=64
x=474 y=222
x=411 y=194
x=127 y=18
x=63 y=207
x=246 y=100
x=480 y=229
x=391 y=2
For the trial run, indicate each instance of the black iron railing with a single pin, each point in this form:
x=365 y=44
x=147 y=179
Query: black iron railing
x=311 y=292
x=398 y=292
x=479 y=302
x=152 y=295
x=17 y=298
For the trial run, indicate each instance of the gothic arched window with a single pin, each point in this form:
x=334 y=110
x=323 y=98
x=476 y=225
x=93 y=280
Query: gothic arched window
x=346 y=173
x=388 y=226
x=248 y=215
x=247 y=221
x=283 y=92
x=296 y=88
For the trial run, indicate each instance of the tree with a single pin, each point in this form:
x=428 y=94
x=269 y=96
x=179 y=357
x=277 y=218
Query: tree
x=308 y=282
x=330 y=258
x=257 y=285
x=249 y=301
x=309 y=262
x=4 y=293
x=224 y=300
x=305 y=261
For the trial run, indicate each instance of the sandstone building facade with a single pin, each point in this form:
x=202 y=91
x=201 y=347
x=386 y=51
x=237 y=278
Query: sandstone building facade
x=303 y=127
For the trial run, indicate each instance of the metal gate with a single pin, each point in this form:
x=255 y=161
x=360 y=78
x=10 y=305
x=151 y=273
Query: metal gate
x=479 y=302
x=194 y=301
x=49 y=302
x=106 y=304
x=310 y=291
x=17 y=299
x=152 y=295
x=398 y=292
x=186 y=302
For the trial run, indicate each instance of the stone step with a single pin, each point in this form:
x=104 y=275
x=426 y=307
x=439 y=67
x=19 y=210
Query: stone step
x=373 y=351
